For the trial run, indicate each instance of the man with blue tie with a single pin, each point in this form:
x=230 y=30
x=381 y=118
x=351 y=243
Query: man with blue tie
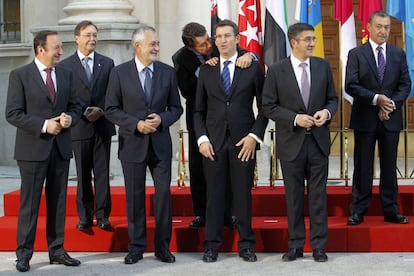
x=377 y=78
x=143 y=100
x=91 y=137
x=228 y=134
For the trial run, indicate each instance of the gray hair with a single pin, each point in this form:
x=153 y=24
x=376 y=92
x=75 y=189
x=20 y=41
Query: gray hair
x=138 y=34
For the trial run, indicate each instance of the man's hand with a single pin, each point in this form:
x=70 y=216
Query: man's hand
x=385 y=103
x=384 y=116
x=150 y=124
x=248 y=149
x=93 y=113
x=305 y=121
x=65 y=120
x=212 y=61
x=53 y=126
x=321 y=117
x=244 y=61
x=206 y=149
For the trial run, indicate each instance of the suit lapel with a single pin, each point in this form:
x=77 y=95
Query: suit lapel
x=134 y=77
x=290 y=78
x=236 y=77
x=37 y=78
x=369 y=55
x=97 y=67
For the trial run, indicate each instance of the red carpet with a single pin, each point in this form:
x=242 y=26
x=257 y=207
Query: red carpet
x=269 y=223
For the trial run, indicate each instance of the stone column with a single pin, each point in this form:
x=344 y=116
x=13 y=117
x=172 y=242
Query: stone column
x=98 y=11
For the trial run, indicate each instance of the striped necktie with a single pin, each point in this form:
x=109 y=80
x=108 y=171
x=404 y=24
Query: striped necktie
x=225 y=77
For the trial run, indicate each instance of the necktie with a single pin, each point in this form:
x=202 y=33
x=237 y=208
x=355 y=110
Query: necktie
x=381 y=63
x=88 y=72
x=147 y=83
x=305 y=85
x=49 y=84
x=225 y=77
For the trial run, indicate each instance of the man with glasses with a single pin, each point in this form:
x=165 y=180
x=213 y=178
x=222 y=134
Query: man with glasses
x=299 y=95
x=91 y=137
x=197 y=50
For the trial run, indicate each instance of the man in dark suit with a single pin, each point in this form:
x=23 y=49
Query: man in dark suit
x=299 y=95
x=143 y=100
x=197 y=50
x=91 y=137
x=377 y=78
x=228 y=135
x=42 y=104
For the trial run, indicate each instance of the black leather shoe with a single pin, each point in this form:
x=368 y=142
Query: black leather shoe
x=197 y=222
x=64 y=259
x=231 y=222
x=247 y=255
x=104 y=224
x=396 y=219
x=22 y=265
x=319 y=255
x=84 y=225
x=210 y=255
x=355 y=219
x=132 y=258
x=165 y=256
x=292 y=254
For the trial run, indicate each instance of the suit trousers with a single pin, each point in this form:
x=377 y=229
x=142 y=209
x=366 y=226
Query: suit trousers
x=93 y=155
x=33 y=175
x=364 y=152
x=135 y=175
x=227 y=168
x=311 y=165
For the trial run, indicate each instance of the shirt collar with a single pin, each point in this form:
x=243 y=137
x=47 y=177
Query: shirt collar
x=232 y=59
x=296 y=62
x=375 y=45
x=41 y=66
x=82 y=56
x=141 y=66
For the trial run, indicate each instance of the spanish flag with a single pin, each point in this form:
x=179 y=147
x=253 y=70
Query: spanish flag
x=309 y=11
x=366 y=7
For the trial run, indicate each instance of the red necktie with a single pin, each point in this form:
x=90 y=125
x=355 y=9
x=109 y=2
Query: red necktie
x=49 y=84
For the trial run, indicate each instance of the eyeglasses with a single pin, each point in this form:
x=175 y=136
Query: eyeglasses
x=91 y=35
x=308 y=39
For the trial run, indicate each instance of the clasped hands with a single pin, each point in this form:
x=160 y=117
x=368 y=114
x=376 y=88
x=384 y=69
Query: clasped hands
x=308 y=121
x=150 y=124
x=386 y=107
x=93 y=113
x=55 y=125
x=247 y=151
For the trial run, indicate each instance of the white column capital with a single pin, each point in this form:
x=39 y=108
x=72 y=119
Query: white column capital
x=98 y=11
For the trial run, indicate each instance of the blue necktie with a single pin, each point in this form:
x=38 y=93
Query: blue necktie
x=381 y=63
x=147 y=83
x=88 y=72
x=225 y=77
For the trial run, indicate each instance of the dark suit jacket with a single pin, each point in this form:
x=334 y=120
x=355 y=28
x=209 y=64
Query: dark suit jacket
x=362 y=83
x=216 y=113
x=91 y=94
x=29 y=105
x=126 y=105
x=282 y=101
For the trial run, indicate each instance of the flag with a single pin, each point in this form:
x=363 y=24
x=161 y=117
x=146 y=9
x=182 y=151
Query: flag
x=366 y=7
x=344 y=13
x=309 y=11
x=404 y=11
x=250 y=27
x=276 y=43
x=220 y=9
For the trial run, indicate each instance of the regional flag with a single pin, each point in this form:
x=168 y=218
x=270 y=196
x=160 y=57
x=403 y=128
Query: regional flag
x=220 y=10
x=366 y=7
x=250 y=27
x=276 y=43
x=404 y=11
x=309 y=11
x=344 y=13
